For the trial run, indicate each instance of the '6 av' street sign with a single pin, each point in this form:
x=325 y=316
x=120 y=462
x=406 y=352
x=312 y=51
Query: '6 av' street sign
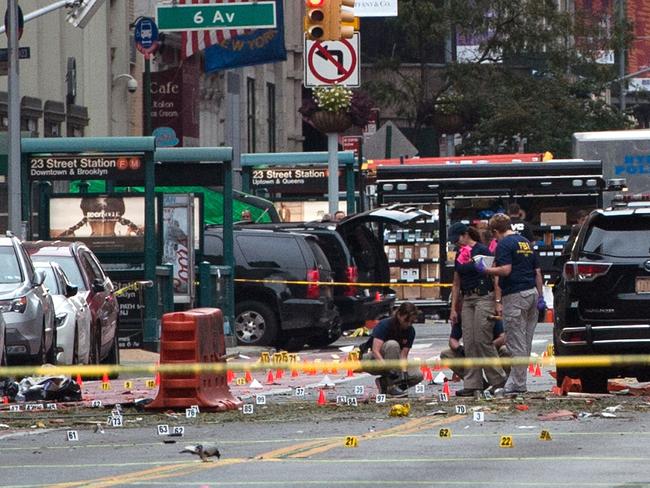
x=191 y=17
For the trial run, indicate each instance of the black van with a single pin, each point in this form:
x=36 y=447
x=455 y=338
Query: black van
x=271 y=313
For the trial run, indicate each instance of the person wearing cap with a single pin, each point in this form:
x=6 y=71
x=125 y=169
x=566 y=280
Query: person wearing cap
x=473 y=294
x=520 y=287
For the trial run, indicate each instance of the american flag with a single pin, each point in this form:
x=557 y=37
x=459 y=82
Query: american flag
x=195 y=41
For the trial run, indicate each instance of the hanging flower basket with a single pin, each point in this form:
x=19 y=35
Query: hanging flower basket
x=331 y=122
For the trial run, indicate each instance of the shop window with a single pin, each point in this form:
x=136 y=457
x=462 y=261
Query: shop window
x=250 y=113
x=53 y=118
x=270 y=95
x=77 y=120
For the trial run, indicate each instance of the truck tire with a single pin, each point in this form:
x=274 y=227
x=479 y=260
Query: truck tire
x=255 y=324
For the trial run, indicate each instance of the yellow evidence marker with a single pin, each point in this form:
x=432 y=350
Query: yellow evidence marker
x=106 y=386
x=506 y=441
x=445 y=433
x=545 y=435
x=150 y=383
x=351 y=441
x=128 y=385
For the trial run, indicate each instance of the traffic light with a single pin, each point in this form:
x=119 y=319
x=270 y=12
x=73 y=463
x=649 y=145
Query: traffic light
x=342 y=17
x=316 y=21
x=329 y=20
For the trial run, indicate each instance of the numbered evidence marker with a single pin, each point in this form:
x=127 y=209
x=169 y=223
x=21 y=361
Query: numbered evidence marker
x=14 y=408
x=96 y=404
x=106 y=386
x=116 y=421
x=506 y=441
x=196 y=409
x=352 y=402
x=177 y=431
x=419 y=388
x=341 y=400
x=51 y=406
x=248 y=409
x=351 y=441
x=163 y=429
x=442 y=397
x=445 y=433
x=72 y=435
x=241 y=381
x=381 y=398
x=260 y=399
x=359 y=389
x=479 y=416
x=299 y=392
x=190 y=413
x=545 y=435
x=150 y=384
x=128 y=385
x=461 y=409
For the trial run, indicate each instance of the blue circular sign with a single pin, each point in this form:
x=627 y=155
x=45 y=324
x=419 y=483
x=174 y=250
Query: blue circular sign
x=146 y=35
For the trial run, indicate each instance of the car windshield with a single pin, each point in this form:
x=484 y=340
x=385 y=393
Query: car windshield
x=621 y=236
x=50 y=281
x=9 y=267
x=69 y=266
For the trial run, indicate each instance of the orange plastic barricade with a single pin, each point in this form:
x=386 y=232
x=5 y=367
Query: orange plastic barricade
x=193 y=336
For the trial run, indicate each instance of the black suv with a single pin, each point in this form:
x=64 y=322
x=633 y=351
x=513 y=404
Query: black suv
x=286 y=315
x=357 y=256
x=602 y=302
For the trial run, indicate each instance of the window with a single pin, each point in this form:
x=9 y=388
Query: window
x=270 y=95
x=627 y=236
x=250 y=113
x=271 y=252
x=9 y=268
x=69 y=266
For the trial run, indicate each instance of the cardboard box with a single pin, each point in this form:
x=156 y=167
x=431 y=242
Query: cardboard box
x=392 y=253
x=431 y=272
x=395 y=273
x=422 y=252
x=552 y=218
x=411 y=292
x=432 y=293
x=434 y=251
x=399 y=292
x=407 y=253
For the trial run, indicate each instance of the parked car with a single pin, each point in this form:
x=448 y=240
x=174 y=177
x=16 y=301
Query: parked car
x=3 y=341
x=26 y=305
x=72 y=314
x=602 y=302
x=356 y=255
x=274 y=313
x=84 y=271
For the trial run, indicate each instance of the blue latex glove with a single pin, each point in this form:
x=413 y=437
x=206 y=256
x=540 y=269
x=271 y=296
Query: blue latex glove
x=480 y=266
x=541 y=304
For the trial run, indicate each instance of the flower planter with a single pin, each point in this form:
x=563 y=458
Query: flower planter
x=331 y=122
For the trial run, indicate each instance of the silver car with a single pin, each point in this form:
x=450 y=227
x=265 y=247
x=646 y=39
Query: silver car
x=72 y=316
x=26 y=305
x=3 y=342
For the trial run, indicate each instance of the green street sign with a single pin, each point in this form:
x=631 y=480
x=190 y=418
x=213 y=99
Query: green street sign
x=192 y=17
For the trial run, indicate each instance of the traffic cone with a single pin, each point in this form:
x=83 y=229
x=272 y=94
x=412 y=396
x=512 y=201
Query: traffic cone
x=427 y=375
x=5 y=399
x=279 y=373
x=230 y=376
x=321 y=397
x=79 y=381
x=249 y=377
x=350 y=373
x=294 y=372
x=538 y=371
x=377 y=296
x=445 y=388
x=105 y=378
x=269 y=378
x=531 y=368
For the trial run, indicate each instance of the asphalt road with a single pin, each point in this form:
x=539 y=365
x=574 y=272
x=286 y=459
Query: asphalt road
x=293 y=443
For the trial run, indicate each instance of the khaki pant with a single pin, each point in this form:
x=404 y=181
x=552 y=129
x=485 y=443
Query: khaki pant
x=390 y=350
x=460 y=371
x=478 y=332
x=519 y=319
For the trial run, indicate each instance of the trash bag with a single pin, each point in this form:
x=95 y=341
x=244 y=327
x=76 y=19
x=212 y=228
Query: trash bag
x=51 y=388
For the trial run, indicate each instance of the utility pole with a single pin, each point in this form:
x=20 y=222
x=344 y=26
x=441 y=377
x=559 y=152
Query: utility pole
x=14 y=210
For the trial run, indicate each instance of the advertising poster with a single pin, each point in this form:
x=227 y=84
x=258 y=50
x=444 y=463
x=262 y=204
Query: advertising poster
x=105 y=223
x=178 y=243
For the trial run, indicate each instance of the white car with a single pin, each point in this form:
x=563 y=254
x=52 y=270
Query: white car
x=72 y=316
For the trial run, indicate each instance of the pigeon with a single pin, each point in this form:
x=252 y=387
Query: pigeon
x=204 y=451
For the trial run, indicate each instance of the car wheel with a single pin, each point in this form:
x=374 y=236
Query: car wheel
x=324 y=339
x=594 y=381
x=113 y=356
x=255 y=324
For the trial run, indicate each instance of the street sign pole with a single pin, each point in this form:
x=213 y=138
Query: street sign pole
x=333 y=172
x=14 y=210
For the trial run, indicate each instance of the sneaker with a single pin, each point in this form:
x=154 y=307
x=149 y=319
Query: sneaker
x=381 y=384
x=396 y=392
x=494 y=388
x=467 y=392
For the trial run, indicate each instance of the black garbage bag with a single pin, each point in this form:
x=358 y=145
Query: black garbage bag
x=52 y=388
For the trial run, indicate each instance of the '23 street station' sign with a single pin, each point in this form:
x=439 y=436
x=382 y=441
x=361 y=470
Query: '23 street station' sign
x=86 y=167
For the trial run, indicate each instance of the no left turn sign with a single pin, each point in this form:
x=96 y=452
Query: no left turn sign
x=332 y=62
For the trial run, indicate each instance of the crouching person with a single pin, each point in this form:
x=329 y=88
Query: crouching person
x=392 y=339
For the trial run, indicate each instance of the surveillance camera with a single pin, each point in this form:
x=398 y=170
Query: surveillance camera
x=132 y=85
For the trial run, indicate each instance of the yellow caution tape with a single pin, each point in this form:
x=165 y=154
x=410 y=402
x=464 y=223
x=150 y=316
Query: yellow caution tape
x=338 y=283
x=371 y=365
x=129 y=287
